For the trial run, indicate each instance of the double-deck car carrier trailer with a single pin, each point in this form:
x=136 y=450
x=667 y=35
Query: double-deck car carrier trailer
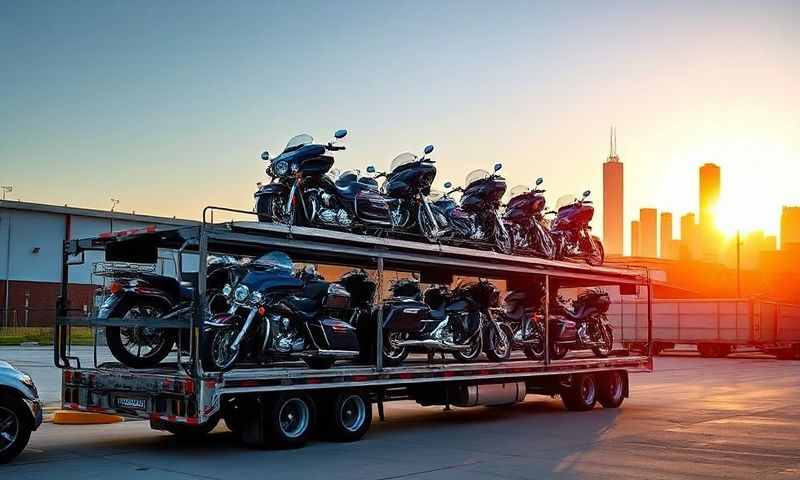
x=281 y=404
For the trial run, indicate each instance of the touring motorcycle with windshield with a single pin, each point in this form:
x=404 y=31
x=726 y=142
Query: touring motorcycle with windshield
x=524 y=218
x=571 y=231
x=138 y=293
x=459 y=322
x=475 y=220
x=303 y=191
x=277 y=316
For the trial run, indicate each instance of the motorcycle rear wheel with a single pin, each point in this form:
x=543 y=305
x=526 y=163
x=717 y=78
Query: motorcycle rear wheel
x=608 y=342
x=158 y=341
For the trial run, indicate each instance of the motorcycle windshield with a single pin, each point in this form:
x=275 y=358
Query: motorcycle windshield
x=298 y=141
x=476 y=175
x=518 y=190
x=435 y=195
x=565 y=201
x=274 y=262
x=402 y=159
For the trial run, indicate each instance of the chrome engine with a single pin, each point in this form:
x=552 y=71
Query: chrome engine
x=328 y=212
x=284 y=338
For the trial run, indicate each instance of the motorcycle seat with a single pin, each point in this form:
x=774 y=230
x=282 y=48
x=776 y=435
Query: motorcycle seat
x=305 y=308
x=580 y=312
x=438 y=314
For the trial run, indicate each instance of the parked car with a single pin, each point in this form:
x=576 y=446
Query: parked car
x=20 y=411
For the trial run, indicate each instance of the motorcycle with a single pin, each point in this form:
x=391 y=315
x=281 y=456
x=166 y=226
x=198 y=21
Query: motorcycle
x=302 y=193
x=475 y=219
x=571 y=231
x=140 y=294
x=523 y=323
x=526 y=222
x=407 y=185
x=277 y=316
x=584 y=326
x=459 y=322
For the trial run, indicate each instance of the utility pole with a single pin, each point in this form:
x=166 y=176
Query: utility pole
x=114 y=202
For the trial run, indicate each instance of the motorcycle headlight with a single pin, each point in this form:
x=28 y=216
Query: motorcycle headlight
x=227 y=290
x=256 y=298
x=281 y=167
x=241 y=293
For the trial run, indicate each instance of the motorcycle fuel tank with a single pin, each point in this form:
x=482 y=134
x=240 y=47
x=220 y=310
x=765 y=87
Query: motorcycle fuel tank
x=574 y=216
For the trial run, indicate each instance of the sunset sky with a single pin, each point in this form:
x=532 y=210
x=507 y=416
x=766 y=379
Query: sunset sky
x=168 y=105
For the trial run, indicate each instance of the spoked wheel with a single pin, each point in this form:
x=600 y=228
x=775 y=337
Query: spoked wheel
x=607 y=338
x=350 y=416
x=140 y=347
x=597 y=254
x=426 y=225
x=503 y=241
x=393 y=354
x=272 y=209
x=289 y=420
x=499 y=345
x=473 y=351
x=14 y=429
x=558 y=351
x=581 y=394
x=216 y=349
x=535 y=349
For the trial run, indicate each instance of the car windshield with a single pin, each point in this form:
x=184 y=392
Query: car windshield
x=298 y=141
x=565 y=200
x=275 y=261
x=476 y=175
x=518 y=190
x=402 y=159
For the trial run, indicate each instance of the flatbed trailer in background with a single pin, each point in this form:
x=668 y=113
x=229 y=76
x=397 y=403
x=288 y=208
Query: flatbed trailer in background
x=271 y=404
x=717 y=327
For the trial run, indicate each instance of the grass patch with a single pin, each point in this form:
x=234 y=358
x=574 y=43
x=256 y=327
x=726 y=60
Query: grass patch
x=44 y=336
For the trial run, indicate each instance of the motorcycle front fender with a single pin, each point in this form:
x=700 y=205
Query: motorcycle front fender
x=272 y=189
x=222 y=320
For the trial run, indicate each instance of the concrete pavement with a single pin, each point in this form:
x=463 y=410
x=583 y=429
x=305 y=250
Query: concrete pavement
x=693 y=418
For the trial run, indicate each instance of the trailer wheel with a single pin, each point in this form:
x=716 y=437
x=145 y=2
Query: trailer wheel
x=289 y=420
x=349 y=416
x=581 y=394
x=611 y=391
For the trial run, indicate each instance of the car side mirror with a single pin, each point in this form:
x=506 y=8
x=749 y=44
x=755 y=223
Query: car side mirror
x=265 y=156
x=497 y=167
x=370 y=168
x=539 y=181
x=447 y=184
x=587 y=193
x=428 y=149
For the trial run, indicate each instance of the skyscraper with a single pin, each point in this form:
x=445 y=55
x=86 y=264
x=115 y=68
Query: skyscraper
x=666 y=236
x=613 y=222
x=689 y=243
x=635 y=237
x=709 y=197
x=790 y=226
x=648 y=232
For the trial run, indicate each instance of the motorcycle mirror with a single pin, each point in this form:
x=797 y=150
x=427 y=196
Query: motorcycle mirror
x=497 y=167
x=370 y=168
x=447 y=184
x=340 y=134
x=428 y=149
x=586 y=193
x=265 y=156
x=539 y=181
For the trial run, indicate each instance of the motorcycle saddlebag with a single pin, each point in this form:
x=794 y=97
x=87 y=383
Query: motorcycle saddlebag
x=371 y=207
x=340 y=335
x=404 y=315
x=337 y=298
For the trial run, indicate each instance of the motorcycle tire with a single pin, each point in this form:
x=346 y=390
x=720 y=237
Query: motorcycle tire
x=394 y=357
x=597 y=256
x=157 y=353
x=269 y=209
x=209 y=349
x=471 y=355
x=533 y=352
x=498 y=348
x=425 y=226
x=609 y=344
x=557 y=352
x=503 y=243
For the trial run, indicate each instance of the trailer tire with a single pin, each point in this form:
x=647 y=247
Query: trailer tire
x=612 y=389
x=581 y=394
x=289 y=420
x=348 y=416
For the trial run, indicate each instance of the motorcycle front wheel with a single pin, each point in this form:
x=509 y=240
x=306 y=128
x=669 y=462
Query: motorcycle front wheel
x=271 y=209
x=394 y=355
x=503 y=240
x=215 y=350
x=473 y=351
x=499 y=344
x=535 y=350
x=607 y=336
x=425 y=225
x=139 y=347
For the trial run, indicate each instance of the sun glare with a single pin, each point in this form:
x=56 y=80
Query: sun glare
x=738 y=213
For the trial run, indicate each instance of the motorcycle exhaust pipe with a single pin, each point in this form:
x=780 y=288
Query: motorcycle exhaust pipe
x=432 y=345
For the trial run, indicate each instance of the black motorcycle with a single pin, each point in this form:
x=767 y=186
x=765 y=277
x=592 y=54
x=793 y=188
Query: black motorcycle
x=525 y=220
x=277 y=316
x=303 y=193
x=523 y=322
x=583 y=326
x=406 y=188
x=459 y=322
x=136 y=293
x=475 y=220
x=571 y=231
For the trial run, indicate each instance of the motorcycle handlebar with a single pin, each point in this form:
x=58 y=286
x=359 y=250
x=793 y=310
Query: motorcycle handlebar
x=334 y=148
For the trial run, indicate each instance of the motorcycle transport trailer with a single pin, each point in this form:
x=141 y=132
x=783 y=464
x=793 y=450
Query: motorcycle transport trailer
x=282 y=404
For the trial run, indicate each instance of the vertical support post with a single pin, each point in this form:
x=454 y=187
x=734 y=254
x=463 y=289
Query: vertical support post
x=547 y=319
x=201 y=310
x=59 y=351
x=649 y=315
x=379 y=322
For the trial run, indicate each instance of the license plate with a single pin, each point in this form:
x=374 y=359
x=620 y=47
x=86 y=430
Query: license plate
x=131 y=403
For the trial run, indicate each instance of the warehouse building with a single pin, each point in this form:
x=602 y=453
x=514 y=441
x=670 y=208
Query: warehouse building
x=31 y=239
